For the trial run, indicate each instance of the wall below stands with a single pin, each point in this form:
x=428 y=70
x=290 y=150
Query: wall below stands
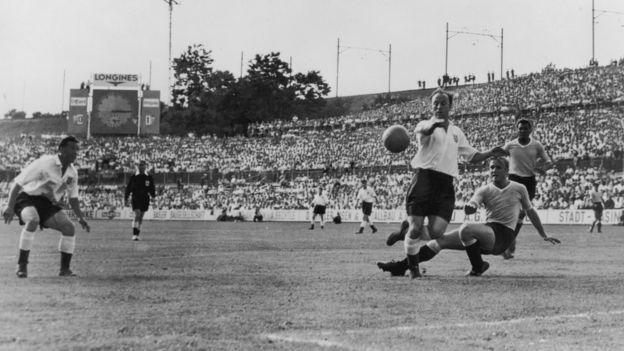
x=580 y=217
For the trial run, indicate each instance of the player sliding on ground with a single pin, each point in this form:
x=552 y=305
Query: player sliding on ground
x=503 y=200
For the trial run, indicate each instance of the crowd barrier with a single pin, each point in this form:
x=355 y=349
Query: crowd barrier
x=580 y=217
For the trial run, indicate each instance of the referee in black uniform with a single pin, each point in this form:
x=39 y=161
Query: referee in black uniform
x=141 y=186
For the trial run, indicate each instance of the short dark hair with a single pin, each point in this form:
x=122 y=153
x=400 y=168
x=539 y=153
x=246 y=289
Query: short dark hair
x=66 y=140
x=524 y=121
x=443 y=92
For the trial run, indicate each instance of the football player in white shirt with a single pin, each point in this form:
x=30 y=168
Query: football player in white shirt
x=319 y=206
x=431 y=193
x=366 y=197
x=503 y=200
x=524 y=154
x=35 y=198
x=595 y=196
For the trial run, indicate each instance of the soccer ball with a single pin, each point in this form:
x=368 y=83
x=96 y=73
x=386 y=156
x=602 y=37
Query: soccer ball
x=395 y=138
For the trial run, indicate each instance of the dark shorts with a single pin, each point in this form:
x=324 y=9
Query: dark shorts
x=140 y=203
x=367 y=208
x=597 y=207
x=45 y=208
x=530 y=183
x=431 y=193
x=503 y=237
x=318 y=209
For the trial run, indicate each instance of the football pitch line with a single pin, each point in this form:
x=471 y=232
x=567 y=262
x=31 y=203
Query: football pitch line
x=323 y=338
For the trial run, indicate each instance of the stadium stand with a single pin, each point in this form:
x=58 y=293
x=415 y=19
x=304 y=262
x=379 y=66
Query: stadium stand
x=577 y=116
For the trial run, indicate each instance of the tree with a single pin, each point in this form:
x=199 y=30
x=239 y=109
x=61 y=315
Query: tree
x=310 y=92
x=14 y=114
x=192 y=73
x=215 y=102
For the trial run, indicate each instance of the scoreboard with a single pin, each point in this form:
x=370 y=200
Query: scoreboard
x=115 y=104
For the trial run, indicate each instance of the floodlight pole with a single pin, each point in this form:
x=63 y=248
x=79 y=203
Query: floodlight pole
x=383 y=52
x=337 y=65
x=389 y=66
x=170 y=3
x=594 y=17
x=494 y=37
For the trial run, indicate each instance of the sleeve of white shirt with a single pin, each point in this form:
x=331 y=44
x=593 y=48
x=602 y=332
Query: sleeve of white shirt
x=507 y=146
x=465 y=149
x=31 y=173
x=72 y=190
x=373 y=193
x=420 y=126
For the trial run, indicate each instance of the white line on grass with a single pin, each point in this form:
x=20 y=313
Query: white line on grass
x=319 y=338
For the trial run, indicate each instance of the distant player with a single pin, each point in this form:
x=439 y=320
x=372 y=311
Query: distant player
x=36 y=199
x=431 y=193
x=366 y=197
x=525 y=154
x=503 y=200
x=595 y=196
x=319 y=206
x=141 y=186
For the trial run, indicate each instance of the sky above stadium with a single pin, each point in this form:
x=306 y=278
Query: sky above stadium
x=48 y=45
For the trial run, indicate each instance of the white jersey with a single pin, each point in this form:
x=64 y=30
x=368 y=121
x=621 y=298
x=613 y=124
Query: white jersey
x=523 y=158
x=320 y=200
x=440 y=151
x=366 y=195
x=502 y=205
x=43 y=177
x=595 y=196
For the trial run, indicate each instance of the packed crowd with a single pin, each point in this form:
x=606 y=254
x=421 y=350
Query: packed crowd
x=569 y=134
x=579 y=130
x=568 y=189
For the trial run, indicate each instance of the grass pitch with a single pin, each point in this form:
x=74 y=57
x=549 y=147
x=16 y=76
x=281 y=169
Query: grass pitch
x=280 y=286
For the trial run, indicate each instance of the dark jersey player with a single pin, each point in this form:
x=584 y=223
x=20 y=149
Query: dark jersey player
x=141 y=186
x=524 y=154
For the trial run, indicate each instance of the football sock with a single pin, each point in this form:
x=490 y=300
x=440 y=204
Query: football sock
x=425 y=253
x=474 y=255
x=512 y=247
x=135 y=231
x=599 y=227
x=65 y=260
x=23 y=257
x=26 y=240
